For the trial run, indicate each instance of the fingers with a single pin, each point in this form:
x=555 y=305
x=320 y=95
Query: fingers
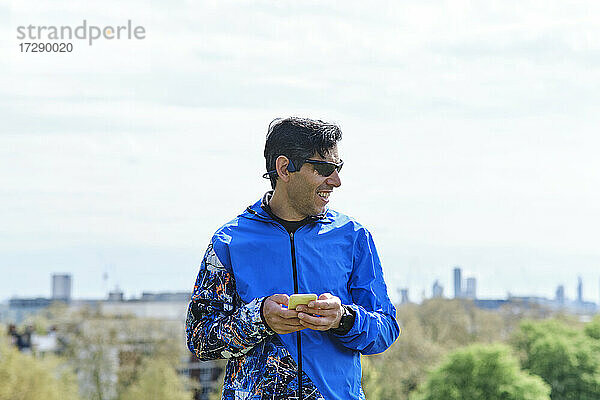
x=279 y=319
x=288 y=314
x=324 y=304
x=325 y=296
x=326 y=301
x=286 y=326
x=273 y=307
x=323 y=312
x=316 y=323
x=280 y=299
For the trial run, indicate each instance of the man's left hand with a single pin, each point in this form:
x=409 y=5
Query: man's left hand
x=322 y=314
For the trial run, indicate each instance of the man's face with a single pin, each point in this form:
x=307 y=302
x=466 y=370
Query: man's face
x=308 y=192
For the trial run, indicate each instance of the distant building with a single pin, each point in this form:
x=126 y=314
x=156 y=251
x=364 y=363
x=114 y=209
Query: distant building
x=206 y=373
x=116 y=295
x=471 y=292
x=404 y=296
x=4 y=311
x=490 y=304
x=61 y=287
x=168 y=306
x=21 y=308
x=526 y=302
x=166 y=296
x=560 y=294
x=559 y=302
x=437 y=290
x=45 y=344
x=458 y=283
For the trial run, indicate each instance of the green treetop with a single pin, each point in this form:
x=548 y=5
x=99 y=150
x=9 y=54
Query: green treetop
x=479 y=372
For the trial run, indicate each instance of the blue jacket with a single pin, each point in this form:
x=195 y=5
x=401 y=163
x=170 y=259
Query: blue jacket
x=253 y=257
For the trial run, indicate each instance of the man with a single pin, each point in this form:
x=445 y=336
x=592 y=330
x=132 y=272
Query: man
x=290 y=242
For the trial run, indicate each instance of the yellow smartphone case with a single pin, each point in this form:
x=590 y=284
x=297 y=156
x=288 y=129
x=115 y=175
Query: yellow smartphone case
x=297 y=299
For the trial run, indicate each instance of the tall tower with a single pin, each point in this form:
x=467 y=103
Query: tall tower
x=560 y=294
x=457 y=283
x=404 y=296
x=471 y=292
x=61 y=287
x=579 y=290
x=437 y=290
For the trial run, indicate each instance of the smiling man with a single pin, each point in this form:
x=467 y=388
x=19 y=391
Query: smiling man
x=290 y=242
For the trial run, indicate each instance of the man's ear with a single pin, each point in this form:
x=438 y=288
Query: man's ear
x=281 y=165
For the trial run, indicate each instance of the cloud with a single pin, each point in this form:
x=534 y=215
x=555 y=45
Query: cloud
x=465 y=123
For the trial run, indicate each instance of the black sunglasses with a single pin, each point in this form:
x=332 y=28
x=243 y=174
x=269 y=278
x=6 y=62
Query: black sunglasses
x=325 y=168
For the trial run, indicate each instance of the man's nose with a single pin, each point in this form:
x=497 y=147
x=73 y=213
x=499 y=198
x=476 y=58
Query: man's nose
x=334 y=179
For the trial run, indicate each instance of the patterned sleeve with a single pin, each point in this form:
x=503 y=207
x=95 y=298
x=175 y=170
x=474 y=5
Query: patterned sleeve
x=219 y=324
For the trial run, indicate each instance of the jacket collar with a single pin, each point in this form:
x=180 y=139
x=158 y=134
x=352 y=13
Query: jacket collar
x=257 y=212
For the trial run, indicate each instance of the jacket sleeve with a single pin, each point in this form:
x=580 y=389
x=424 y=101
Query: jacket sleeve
x=375 y=327
x=219 y=324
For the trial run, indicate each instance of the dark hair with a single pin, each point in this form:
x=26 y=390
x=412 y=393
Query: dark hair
x=298 y=139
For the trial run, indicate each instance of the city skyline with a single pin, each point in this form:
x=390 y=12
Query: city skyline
x=62 y=290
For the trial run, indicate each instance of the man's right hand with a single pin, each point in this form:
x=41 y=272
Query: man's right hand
x=281 y=320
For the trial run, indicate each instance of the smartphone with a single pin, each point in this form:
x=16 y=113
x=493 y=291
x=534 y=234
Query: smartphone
x=297 y=299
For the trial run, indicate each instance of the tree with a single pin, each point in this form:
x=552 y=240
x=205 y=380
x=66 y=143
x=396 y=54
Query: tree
x=563 y=356
x=108 y=351
x=24 y=377
x=482 y=372
x=429 y=331
x=370 y=379
x=218 y=389
x=592 y=329
x=157 y=381
x=92 y=350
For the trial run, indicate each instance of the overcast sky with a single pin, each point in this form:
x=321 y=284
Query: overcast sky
x=470 y=137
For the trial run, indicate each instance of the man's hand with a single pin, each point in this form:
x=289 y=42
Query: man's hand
x=327 y=307
x=280 y=319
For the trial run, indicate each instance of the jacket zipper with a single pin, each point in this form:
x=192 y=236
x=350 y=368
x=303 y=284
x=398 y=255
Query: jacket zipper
x=298 y=338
